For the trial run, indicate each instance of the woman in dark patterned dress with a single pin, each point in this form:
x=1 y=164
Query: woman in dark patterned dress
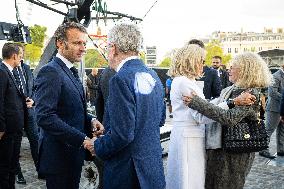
x=226 y=170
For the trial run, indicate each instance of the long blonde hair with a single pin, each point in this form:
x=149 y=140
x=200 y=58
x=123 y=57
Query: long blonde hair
x=186 y=61
x=254 y=71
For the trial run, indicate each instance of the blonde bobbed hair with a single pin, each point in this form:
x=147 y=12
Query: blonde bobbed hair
x=186 y=61
x=253 y=71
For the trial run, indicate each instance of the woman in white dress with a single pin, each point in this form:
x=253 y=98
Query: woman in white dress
x=186 y=159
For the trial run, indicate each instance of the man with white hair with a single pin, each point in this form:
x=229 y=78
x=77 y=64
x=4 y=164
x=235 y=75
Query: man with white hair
x=135 y=110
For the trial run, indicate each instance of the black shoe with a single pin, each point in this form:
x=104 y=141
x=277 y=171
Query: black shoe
x=171 y=116
x=266 y=155
x=20 y=179
x=280 y=153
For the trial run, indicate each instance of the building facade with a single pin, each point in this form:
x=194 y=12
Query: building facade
x=151 y=55
x=234 y=42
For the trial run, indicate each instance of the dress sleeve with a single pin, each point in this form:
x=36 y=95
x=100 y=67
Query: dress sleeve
x=225 y=117
x=187 y=89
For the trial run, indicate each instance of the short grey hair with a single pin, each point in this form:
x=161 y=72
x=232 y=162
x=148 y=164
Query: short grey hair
x=126 y=37
x=61 y=32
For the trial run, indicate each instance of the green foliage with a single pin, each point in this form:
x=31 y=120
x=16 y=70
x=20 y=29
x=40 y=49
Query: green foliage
x=166 y=62
x=32 y=54
x=94 y=59
x=33 y=51
x=142 y=56
x=214 y=49
x=38 y=35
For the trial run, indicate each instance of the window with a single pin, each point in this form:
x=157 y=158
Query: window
x=229 y=50
x=236 y=50
x=260 y=48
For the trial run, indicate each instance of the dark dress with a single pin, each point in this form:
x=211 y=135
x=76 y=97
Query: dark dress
x=227 y=170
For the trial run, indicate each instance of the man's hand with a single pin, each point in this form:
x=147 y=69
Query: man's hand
x=97 y=128
x=187 y=99
x=244 y=99
x=1 y=135
x=89 y=145
x=29 y=102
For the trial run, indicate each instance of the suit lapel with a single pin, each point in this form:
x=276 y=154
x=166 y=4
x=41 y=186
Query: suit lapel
x=12 y=78
x=281 y=73
x=70 y=75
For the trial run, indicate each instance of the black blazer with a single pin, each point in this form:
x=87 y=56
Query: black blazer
x=13 y=109
x=28 y=74
x=212 y=83
x=102 y=96
x=29 y=79
x=224 y=77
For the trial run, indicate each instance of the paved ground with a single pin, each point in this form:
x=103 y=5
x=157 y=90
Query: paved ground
x=263 y=175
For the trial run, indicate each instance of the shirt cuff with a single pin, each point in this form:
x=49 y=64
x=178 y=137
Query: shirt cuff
x=224 y=105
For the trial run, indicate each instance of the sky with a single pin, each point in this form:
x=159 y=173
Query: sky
x=169 y=24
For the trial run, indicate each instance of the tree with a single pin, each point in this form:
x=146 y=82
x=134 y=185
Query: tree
x=94 y=59
x=214 y=48
x=33 y=51
x=142 y=56
x=38 y=35
x=32 y=54
x=166 y=62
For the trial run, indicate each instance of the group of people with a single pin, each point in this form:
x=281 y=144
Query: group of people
x=133 y=111
x=213 y=80
x=129 y=141
x=196 y=158
x=16 y=114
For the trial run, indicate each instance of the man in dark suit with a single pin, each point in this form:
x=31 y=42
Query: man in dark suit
x=24 y=74
x=12 y=114
x=61 y=111
x=103 y=88
x=212 y=83
x=131 y=148
x=222 y=74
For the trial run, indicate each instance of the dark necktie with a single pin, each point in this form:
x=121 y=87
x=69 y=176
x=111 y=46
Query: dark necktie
x=75 y=73
x=19 y=77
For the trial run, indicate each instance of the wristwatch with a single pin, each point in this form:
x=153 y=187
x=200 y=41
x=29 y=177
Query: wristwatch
x=230 y=103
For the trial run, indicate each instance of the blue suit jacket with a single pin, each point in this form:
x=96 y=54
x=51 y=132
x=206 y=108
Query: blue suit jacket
x=212 y=83
x=61 y=115
x=132 y=145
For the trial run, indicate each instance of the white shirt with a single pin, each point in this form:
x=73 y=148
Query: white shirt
x=66 y=62
x=9 y=67
x=125 y=60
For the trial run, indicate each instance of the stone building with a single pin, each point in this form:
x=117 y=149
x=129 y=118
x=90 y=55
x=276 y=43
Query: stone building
x=234 y=42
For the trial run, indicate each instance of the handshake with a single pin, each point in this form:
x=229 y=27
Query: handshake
x=98 y=129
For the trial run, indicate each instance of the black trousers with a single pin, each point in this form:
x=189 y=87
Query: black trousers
x=31 y=130
x=63 y=181
x=10 y=146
